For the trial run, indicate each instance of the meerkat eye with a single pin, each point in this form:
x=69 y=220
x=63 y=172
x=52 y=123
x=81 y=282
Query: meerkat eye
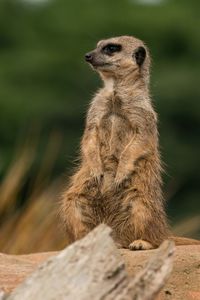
x=111 y=48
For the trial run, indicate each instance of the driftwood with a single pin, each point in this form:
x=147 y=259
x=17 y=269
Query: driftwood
x=92 y=268
x=2 y=295
x=150 y=281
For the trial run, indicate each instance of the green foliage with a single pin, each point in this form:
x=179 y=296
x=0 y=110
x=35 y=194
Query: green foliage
x=45 y=84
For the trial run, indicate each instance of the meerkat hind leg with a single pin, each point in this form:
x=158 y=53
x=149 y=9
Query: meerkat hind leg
x=140 y=245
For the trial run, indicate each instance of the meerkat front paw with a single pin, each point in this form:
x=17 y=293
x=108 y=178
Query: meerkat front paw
x=120 y=177
x=97 y=175
x=98 y=178
x=123 y=174
x=140 y=245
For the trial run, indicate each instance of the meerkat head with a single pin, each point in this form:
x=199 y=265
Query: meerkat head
x=120 y=56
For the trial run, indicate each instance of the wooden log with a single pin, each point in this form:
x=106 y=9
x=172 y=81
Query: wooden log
x=184 y=281
x=3 y=296
x=88 y=269
x=149 y=281
x=92 y=268
x=147 y=284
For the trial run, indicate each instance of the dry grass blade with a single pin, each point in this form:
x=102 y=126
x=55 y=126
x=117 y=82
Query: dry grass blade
x=15 y=176
x=33 y=226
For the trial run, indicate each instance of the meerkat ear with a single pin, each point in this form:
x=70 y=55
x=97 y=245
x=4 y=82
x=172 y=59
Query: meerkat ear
x=139 y=55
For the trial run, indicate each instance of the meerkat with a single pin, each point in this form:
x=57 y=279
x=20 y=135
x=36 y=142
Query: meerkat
x=118 y=181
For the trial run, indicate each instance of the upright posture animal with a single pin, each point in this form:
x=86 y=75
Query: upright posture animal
x=118 y=181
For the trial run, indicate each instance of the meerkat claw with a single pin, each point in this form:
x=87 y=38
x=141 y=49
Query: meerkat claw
x=140 y=245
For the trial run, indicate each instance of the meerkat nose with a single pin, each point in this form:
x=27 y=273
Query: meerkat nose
x=88 y=57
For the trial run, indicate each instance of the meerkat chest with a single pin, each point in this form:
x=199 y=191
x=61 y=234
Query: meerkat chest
x=115 y=132
x=115 y=125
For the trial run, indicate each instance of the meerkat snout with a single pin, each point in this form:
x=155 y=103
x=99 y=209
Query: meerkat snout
x=88 y=57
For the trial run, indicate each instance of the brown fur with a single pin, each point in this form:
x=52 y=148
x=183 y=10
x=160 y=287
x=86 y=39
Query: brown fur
x=118 y=181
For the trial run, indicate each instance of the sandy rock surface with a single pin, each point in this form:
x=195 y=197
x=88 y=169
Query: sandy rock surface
x=15 y=268
x=184 y=282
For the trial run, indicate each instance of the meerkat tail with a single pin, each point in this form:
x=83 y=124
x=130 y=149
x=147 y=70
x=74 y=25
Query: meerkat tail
x=184 y=241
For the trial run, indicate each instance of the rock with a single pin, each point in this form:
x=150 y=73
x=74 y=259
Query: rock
x=15 y=268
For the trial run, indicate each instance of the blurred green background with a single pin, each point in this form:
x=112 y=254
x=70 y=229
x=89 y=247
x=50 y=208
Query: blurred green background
x=45 y=88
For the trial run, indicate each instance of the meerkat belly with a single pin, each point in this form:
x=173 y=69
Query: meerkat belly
x=114 y=133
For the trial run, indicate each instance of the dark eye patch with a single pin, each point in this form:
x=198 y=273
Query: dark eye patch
x=109 y=49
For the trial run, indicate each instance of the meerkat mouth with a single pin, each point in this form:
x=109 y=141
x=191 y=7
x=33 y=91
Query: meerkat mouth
x=100 y=65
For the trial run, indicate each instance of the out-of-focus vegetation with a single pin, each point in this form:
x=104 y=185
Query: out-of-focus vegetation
x=45 y=87
x=32 y=225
